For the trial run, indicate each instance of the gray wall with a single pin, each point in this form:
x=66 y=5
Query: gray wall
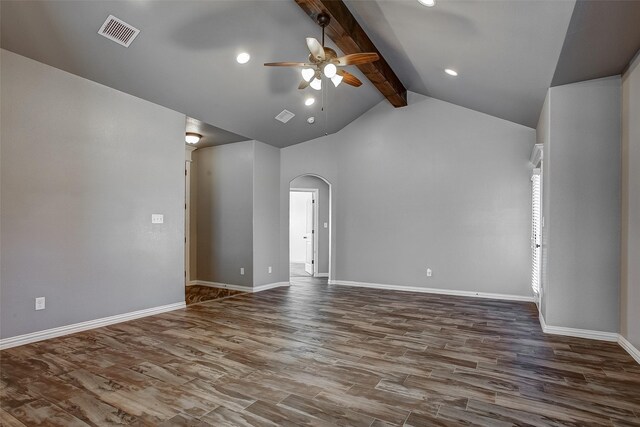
x=582 y=220
x=83 y=167
x=224 y=207
x=322 y=233
x=630 y=284
x=266 y=214
x=430 y=185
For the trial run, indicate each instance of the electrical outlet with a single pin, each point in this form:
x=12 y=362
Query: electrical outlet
x=242 y=271
x=40 y=303
x=270 y=270
x=326 y=225
x=157 y=218
x=429 y=272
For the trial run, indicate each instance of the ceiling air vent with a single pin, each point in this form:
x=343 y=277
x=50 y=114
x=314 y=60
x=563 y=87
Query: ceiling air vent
x=118 y=31
x=285 y=116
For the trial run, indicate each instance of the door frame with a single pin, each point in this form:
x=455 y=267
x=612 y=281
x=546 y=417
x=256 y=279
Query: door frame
x=314 y=194
x=187 y=213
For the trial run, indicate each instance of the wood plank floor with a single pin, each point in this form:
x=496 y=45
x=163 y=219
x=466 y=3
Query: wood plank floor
x=195 y=294
x=323 y=355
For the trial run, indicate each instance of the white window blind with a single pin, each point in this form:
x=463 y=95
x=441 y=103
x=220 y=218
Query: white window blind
x=536 y=231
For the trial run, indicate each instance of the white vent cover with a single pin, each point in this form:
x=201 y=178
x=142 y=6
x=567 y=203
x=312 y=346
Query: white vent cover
x=118 y=31
x=285 y=116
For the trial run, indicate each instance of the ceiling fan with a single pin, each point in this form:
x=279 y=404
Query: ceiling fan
x=324 y=61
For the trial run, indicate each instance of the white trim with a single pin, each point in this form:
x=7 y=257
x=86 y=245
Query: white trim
x=243 y=288
x=624 y=343
x=433 y=291
x=322 y=275
x=83 y=326
x=578 y=333
x=260 y=288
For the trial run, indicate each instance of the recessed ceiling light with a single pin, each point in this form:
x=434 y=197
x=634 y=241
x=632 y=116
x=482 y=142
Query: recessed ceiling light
x=428 y=3
x=309 y=101
x=243 y=58
x=451 y=72
x=311 y=120
x=192 y=138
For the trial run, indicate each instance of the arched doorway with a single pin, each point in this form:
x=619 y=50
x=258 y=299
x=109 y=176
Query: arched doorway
x=309 y=229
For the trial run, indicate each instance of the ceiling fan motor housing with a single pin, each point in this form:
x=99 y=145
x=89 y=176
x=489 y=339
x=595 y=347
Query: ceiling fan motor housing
x=323 y=19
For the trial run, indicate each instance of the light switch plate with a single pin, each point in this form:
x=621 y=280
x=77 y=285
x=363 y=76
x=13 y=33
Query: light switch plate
x=40 y=303
x=157 y=218
x=326 y=225
x=270 y=270
x=242 y=271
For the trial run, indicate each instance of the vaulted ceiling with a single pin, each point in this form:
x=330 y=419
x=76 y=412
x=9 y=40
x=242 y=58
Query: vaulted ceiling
x=184 y=58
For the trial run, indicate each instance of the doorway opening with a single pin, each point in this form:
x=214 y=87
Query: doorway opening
x=309 y=229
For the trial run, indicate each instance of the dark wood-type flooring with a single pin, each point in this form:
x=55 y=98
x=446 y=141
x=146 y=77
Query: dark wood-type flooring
x=196 y=293
x=314 y=354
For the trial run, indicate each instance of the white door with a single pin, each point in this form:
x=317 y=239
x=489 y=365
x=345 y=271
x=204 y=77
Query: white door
x=309 y=236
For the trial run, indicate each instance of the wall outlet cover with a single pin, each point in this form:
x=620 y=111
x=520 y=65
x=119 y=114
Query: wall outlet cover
x=242 y=271
x=157 y=218
x=40 y=303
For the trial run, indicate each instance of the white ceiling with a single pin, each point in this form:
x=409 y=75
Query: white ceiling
x=505 y=51
x=184 y=58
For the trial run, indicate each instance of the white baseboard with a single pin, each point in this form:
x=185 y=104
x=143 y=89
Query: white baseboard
x=634 y=352
x=83 y=326
x=433 y=291
x=242 y=288
x=322 y=275
x=269 y=286
x=578 y=333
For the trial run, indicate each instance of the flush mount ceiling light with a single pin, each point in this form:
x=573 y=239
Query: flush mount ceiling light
x=311 y=120
x=428 y=3
x=243 y=58
x=192 y=138
x=451 y=72
x=309 y=101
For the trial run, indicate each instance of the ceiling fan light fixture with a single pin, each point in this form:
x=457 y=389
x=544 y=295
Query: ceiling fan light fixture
x=428 y=3
x=316 y=84
x=307 y=74
x=243 y=58
x=330 y=70
x=192 y=138
x=309 y=101
x=336 y=80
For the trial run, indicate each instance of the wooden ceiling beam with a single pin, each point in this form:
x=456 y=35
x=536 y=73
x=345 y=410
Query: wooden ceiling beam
x=350 y=38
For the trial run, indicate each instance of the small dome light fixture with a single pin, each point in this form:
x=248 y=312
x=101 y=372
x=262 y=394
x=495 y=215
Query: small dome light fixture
x=311 y=120
x=451 y=72
x=309 y=101
x=243 y=58
x=428 y=3
x=192 y=138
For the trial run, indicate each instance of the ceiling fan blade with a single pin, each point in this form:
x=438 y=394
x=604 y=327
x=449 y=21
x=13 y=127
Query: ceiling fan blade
x=315 y=48
x=357 y=58
x=349 y=78
x=288 y=64
x=303 y=84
